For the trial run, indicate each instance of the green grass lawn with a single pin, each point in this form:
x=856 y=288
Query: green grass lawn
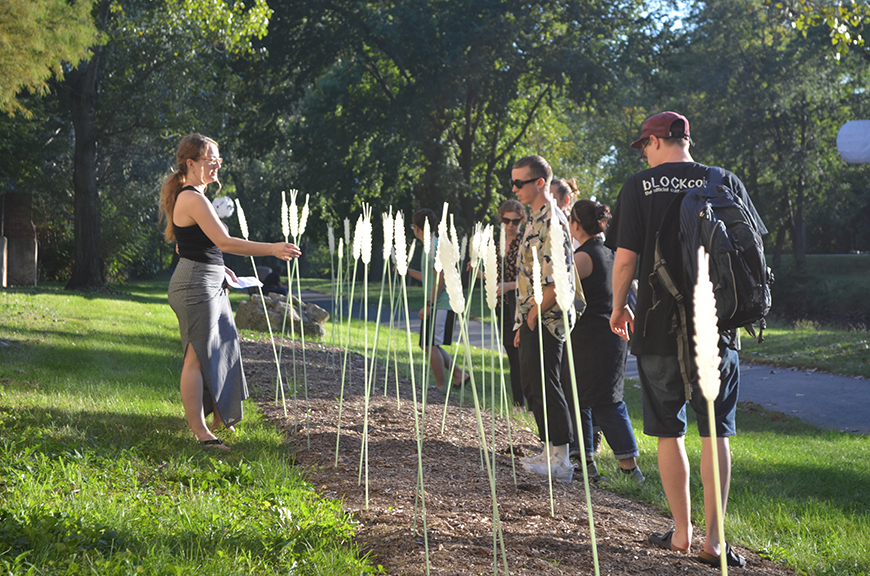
x=100 y=475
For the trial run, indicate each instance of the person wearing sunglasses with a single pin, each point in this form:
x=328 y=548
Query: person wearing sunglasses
x=531 y=178
x=512 y=215
x=212 y=379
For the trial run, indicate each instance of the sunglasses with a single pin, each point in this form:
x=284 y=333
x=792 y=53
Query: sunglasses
x=520 y=183
x=511 y=221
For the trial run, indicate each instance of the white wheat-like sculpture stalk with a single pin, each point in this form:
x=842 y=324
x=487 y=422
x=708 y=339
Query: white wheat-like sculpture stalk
x=358 y=237
x=707 y=357
x=347 y=231
x=285 y=223
x=564 y=287
x=340 y=248
x=303 y=219
x=427 y=237
x=366 y=240
x=490 y=269
x=401 y=252
x=537 y=289
x=243 y=223
x=388 y=222
x=412 y=248
x=463 y=247
x=502 y=240
x=330 y=236
x=452 y=280
x=559 y=237
x=294 y=214
x=706 y=331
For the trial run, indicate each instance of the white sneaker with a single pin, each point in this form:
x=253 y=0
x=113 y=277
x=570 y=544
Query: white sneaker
x=536 y=459
x=561 y=469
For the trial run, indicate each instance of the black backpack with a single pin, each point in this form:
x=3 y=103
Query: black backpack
x=715 y=217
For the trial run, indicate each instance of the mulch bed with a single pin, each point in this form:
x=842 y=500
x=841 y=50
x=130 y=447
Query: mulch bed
x=457 y=489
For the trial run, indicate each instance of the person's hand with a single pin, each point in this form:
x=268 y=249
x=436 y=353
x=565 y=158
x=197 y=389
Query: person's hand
x=285 y=250
x=517 y=339
x=232 y=274
x=422 y=313
x=622 y=322
x=499 y=288
x=532 y=318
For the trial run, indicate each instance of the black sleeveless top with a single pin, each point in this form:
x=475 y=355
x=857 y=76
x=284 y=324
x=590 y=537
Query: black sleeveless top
x=597 y=287
x=194 y=245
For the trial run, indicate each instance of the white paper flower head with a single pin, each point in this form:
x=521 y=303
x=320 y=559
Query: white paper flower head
x=366 y=240
x=427 y=233
x=537 y=289
x=412 y=247
x=223 y=206
x=347 y=231
x=463 y=246
x=452 y=280
x=389 y=224
x=564 y=291
x=330 y=234
x=706 y=330
x=358 y=233
x=438 y=249
x=285 y=216
x=303 y=219
x=243 y=224
x=490 y=268
x=400 y=249
x=474 y=248
x=294 y=214
x=502 y=240
x=340 y=248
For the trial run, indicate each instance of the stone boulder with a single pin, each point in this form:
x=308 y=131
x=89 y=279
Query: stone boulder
x=250 y=316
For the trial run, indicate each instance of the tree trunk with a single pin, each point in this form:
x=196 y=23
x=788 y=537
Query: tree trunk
x=88 y=269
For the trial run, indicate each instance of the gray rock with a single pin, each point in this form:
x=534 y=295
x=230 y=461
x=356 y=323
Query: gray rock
x=250 y=316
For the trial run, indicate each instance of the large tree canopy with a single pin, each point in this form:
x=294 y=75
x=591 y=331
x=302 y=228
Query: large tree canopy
x=143 y=82
x=36 y=37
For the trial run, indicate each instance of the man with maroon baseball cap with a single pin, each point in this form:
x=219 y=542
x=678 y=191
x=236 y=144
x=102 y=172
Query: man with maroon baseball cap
x=640 y=210
x=664 y=125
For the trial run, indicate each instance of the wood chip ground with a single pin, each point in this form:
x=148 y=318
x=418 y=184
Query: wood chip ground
x=458 y=500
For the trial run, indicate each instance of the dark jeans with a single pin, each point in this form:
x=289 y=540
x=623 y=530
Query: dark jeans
x=558 y=418
x=616 y=426
x=513 y=353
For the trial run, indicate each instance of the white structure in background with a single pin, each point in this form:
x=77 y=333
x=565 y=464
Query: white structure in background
x=223 y=206
x=853 y=142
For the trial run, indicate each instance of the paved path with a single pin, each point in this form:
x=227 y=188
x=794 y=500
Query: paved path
x=828 y=401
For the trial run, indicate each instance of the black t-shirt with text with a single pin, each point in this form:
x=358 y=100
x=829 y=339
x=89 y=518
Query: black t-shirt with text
x=640 y=209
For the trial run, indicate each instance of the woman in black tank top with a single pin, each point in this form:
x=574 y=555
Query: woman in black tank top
x=212 y=379
x=599 y=354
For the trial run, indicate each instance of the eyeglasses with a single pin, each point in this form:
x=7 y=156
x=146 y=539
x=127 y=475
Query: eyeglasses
x=520 y=183
x=213 y=161
x=511 y=221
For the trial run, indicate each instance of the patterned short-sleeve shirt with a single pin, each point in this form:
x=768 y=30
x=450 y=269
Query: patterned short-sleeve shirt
x=537 y=234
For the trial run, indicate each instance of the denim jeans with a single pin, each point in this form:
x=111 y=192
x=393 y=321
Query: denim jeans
x=616 y=427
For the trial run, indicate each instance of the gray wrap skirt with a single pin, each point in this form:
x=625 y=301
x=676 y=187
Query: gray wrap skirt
x=205 y=319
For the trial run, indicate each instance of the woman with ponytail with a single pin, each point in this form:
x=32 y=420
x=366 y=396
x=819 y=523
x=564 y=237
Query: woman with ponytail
x=212 y=379
x=599 y=354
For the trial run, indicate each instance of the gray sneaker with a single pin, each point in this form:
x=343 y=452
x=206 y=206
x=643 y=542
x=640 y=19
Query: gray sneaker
x=635 y=475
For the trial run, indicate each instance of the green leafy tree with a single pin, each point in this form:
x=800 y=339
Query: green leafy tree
x=846 y=21
x=36 y=37
x=754 y=113
x=155 y=76
x=417 y=103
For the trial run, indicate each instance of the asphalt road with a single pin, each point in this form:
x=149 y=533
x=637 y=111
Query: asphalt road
x=827 y=401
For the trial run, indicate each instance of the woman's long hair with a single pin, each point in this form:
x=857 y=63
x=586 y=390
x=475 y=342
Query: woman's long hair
x=192 y=147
